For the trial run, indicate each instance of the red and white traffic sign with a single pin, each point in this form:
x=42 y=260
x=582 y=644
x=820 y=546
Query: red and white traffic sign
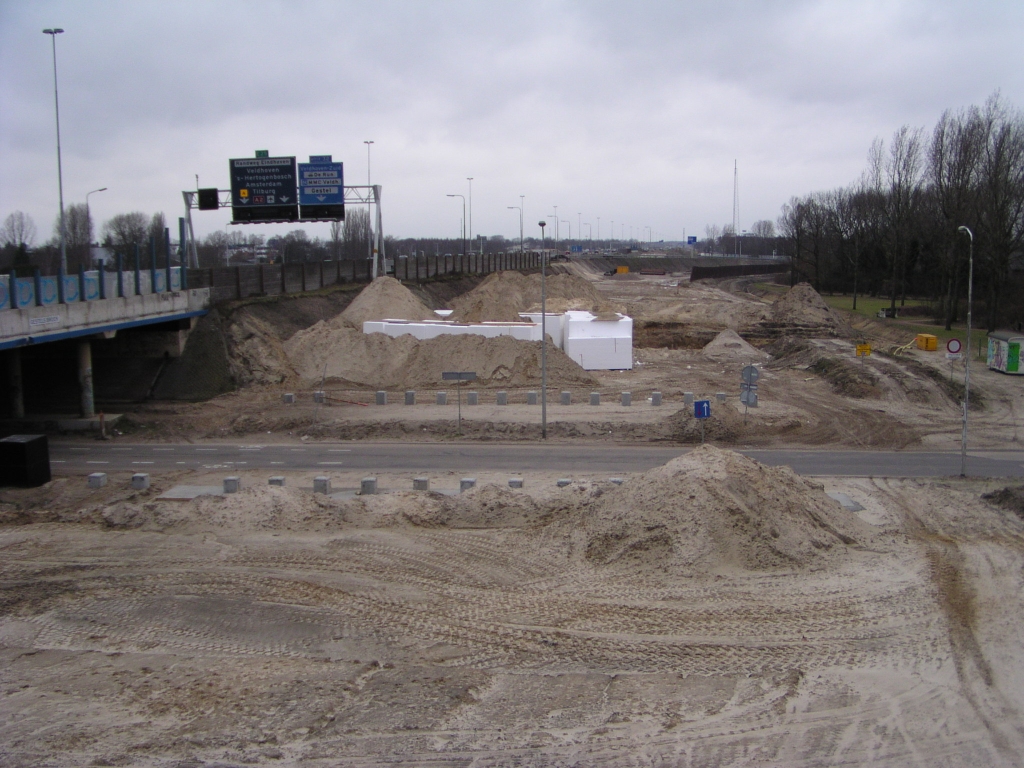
x=953 y=346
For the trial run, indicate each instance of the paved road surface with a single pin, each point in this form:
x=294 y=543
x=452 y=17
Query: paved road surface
x=72 y=457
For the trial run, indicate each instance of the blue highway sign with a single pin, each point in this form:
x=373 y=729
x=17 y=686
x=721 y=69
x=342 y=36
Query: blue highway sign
x=321 y=188
x=702 y=409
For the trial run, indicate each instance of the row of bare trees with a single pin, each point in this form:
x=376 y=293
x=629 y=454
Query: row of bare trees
x=896 y=231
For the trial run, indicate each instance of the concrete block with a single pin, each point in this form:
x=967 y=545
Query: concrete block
x=421 y=483
x=277 y=480
x=232 y=484
x=368 y=486
x=322 y=484
x=626 y=398
x=97 y=479
x=531 y=398
x=502 y=398
x=442 y=398
x=381 y=397
x=720 y=397
x=410 y=397
x=515 y=482
x=688 y=398
x=615 y=480
x=655 y=398
x=565 y=398
x=319 y=396
x=562 y=482
x=466 y=483
x=288 y=398
x=595 y=398
x=140 y=481
x=472 y=398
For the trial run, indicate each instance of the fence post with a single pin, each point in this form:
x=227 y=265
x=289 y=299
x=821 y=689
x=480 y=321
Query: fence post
x=238 y=282
x=152 y=264
x=138 y=272
x=167 y=250
x=120 y=276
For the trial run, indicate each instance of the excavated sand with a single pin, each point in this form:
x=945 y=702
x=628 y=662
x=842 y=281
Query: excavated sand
x=380 y=361
x=803 y=308
x=503 y=295
x=385 y=298
x=728 y=346
x=717 y=510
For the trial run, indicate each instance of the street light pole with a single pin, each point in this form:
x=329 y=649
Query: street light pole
x=463 y=222
x=60 y=175
x=967 y=361
x=470 y=180
x=520 y=209
x=88 y=213
x=543 y=338
x=369 y=218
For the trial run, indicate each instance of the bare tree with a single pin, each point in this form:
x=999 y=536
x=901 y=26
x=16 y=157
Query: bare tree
x=156 y=236
x=902 y=176
x=124 y=233
x=357 y=233
x=77 y=235
x=337 y=234
x=18 y=230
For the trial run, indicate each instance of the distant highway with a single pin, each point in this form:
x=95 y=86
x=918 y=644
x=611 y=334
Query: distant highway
x=116 y=456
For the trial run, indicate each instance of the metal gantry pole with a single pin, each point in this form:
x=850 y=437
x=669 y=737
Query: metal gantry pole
x=470 y=180
x=967 y=361
x=543 y=338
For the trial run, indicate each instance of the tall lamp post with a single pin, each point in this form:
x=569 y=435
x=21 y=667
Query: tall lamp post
x=369 y=218
x=88 y=213
x=463 y=222
x=470 y=180
x=543 y=337
x=967 y=361
x=60 y=176
x=520 y=209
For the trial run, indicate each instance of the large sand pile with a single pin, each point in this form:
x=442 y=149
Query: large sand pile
x=385 y=298
x=503 y=295
x=729 y=347
x=716 y=510
x=802 y=309
x=376 y=360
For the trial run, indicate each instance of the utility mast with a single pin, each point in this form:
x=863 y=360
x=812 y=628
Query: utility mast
x=735 y=205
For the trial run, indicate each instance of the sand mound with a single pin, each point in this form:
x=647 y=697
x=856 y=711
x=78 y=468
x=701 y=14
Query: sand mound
x=488 y=506
x=503 y=295
x=715 y=510
x=375 y=360
x=385 y=298
x=802 y=308
x=728 y=346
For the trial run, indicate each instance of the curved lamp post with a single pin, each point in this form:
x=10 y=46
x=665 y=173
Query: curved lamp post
x=60 y=176
x=967 y=361
x=520 y=209
x=463 y=222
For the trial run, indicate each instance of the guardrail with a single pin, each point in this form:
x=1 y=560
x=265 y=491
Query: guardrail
x=93 y=285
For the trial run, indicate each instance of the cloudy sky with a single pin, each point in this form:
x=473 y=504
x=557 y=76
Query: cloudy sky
x=631 y=112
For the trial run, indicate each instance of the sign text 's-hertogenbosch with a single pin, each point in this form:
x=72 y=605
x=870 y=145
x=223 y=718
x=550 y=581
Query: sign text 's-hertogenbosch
x=264 y=189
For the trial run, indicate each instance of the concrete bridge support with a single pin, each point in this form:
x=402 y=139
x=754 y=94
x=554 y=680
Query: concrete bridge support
x=15 y=386
x=85 y=378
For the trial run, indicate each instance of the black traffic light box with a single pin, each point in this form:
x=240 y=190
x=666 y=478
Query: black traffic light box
x=208 y=200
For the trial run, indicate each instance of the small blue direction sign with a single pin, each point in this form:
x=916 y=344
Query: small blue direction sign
x=691 y=240
x=321 y=189
x=702 y=409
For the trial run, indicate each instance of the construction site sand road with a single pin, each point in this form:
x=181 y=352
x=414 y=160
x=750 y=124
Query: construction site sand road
x=710 y=612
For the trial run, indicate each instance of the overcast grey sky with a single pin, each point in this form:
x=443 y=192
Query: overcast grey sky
x=632 y=112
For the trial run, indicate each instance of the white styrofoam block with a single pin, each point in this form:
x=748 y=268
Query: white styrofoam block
x=433 y=329
x=601 y=354
x=555 y=323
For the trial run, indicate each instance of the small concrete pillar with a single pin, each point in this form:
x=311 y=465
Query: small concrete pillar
x=466 y=483
x=627 y=398
x=562 y=482
x=421 y=483
x=368 y=486
x=595 y=398
x=381 y=397
x=288 y=398
x=410 y=397
x=442 y=398
x=140 y=481
x=565 y=398
x=502 y=398
x=688 y=398
x=14 y=381
x=232 y=484
x=319 y=396
x=97 y=479
x=322 y=484
x=531 y=398
x=277 y=480
x=472 y=398
x=655 y=398
x=515 y=482
x=615 y=480
x=720 y=397
x=85 y=378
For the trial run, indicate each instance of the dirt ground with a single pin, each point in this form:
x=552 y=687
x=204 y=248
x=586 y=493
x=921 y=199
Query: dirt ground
x=709 y=612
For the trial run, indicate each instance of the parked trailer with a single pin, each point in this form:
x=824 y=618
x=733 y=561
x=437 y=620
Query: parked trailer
x=1004 y=351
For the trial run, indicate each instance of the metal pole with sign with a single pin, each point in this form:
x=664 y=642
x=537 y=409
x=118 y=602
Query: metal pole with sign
x=952 y=354
x=701 y=411
x=458 y=377
x=748 y=389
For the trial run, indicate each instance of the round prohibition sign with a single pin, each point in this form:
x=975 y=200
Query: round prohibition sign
x=953 y=346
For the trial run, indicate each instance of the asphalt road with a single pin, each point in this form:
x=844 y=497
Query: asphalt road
x=74 y=457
